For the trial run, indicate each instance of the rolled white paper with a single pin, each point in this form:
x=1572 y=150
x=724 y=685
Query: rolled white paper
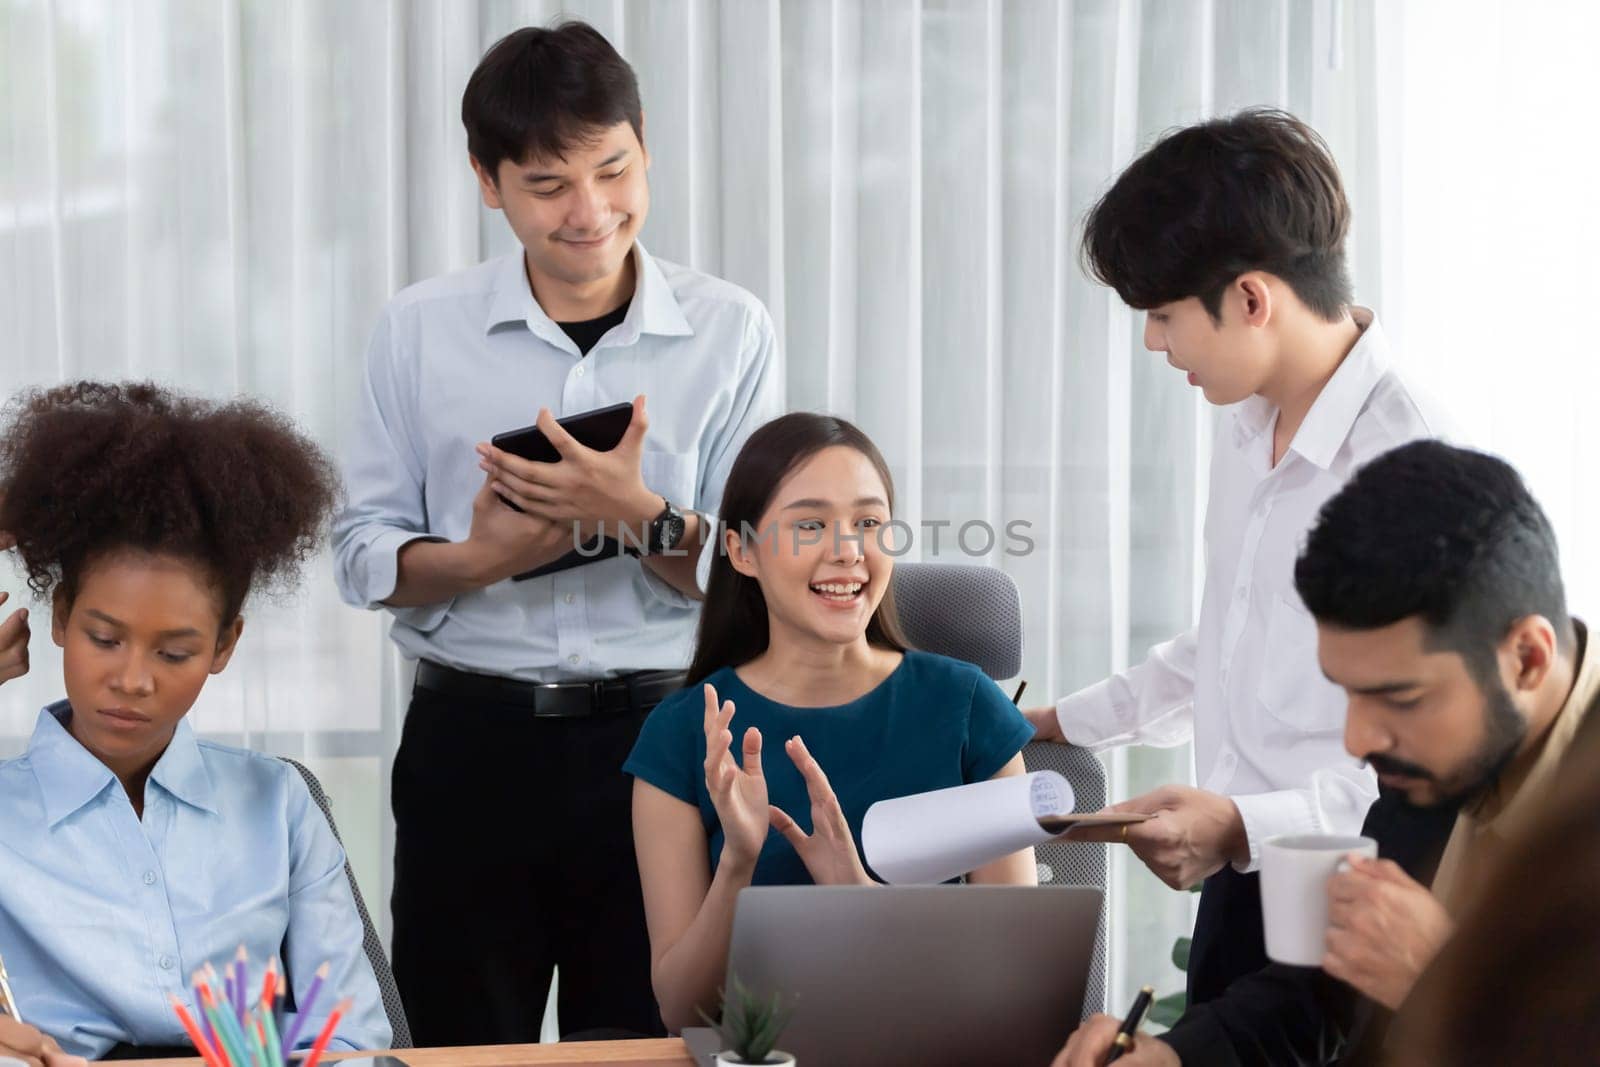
x=933 y=837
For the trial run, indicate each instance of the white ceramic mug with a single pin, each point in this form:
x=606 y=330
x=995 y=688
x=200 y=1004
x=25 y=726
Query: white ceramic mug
x=1294 y=892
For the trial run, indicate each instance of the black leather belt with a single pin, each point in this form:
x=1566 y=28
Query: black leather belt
x=639 y=691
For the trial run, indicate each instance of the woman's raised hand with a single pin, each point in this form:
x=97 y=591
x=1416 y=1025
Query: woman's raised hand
x=829 y=851
x=738 y=793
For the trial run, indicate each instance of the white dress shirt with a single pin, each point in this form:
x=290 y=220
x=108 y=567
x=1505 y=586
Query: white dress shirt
x=1245 y=683
x=455 y=360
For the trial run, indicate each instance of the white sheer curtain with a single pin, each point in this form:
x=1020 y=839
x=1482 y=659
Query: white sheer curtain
x=222 y=193
x=1495 y=237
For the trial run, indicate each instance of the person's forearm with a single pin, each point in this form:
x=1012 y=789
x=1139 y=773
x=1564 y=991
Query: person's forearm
x=431 y=572
x=687 y=975
x=1019 y=868
x=1150 y=703
x=679 y=566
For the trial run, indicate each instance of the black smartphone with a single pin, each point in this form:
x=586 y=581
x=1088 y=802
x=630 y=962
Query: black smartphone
x=600 y=429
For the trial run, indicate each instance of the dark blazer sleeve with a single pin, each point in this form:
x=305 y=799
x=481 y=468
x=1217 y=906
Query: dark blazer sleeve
x=1298 y=1015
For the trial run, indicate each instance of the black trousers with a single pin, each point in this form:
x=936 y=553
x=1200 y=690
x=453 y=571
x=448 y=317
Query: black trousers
x=1229 y=942
x=514 y=855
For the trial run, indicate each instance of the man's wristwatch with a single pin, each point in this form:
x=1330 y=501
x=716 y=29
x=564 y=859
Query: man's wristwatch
x=664 y=533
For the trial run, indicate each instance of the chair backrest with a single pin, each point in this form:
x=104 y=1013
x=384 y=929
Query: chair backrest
x=1076 y=863
x=370 y=941
x=964 y=611
x=974 y=613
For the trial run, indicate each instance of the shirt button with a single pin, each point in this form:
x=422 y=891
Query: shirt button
x=574 y=659
x=149 y=877
x=166 y=963
x=1241 y=594
x=579 y=371
x=570 y=598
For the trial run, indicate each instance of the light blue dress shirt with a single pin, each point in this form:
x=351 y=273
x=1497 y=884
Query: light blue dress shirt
x=104 y=915
x=457 y=359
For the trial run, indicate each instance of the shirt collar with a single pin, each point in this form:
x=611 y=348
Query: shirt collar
x=1327 y=425
x=513 y=298
x=1486 y=823
x=182 y=772
x=654 y=308
x=1521 y=789
x=70 y=776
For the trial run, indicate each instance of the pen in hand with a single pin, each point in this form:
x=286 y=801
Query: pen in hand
x=1130 y=1025
x=8 y=1003
x=1016 y=698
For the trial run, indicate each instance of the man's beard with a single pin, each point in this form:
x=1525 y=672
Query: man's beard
x=1503 y=733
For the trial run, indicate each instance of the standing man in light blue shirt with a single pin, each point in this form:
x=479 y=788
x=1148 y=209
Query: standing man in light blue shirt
x=512 y=814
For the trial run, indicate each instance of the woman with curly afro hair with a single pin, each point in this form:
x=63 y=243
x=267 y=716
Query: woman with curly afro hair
x=134 y=853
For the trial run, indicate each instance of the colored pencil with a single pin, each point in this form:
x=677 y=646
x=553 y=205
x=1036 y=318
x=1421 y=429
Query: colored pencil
x=241 y=990
x=232 y=1055
x=196 y=980
x=230 y=1026
x=303 y=1009
x=211 y=978
x=201 y=1045
x=216 y=1005
x=274 y=1046
x=269 y=983
x=232 y=1033
x=255 y=1042
x=321 y=1044
x=278 y=1016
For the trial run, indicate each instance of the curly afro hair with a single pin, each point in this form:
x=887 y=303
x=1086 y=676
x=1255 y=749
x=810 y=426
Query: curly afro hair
x=95 y=468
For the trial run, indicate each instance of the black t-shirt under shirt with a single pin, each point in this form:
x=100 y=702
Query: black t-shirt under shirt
x=587 y=334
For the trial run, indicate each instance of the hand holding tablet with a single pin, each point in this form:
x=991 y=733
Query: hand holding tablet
x=581 y=472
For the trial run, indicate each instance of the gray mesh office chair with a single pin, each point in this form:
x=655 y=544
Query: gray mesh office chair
x=1067 y=863
x=974 y=613
x=370 y=941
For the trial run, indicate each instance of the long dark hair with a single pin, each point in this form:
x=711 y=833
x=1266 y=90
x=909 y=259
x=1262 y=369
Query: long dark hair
x=733 y=620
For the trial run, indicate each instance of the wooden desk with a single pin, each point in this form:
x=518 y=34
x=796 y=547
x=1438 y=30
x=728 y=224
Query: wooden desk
x=657 y=1052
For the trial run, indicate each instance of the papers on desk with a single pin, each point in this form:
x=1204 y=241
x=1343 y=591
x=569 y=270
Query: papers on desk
x=937 y=836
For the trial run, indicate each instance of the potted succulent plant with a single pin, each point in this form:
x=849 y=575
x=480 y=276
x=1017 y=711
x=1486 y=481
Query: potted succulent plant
x=750 y=1027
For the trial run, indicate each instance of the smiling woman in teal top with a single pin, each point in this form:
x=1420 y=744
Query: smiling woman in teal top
x=798 y=645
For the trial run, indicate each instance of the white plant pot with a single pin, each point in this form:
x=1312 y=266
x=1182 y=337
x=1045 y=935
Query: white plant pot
x=774 y=1058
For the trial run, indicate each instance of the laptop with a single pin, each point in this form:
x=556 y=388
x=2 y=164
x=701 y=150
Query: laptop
x=930 y=975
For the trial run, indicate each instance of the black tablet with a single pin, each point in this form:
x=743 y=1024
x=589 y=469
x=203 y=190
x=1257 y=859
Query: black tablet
x=600 y=430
